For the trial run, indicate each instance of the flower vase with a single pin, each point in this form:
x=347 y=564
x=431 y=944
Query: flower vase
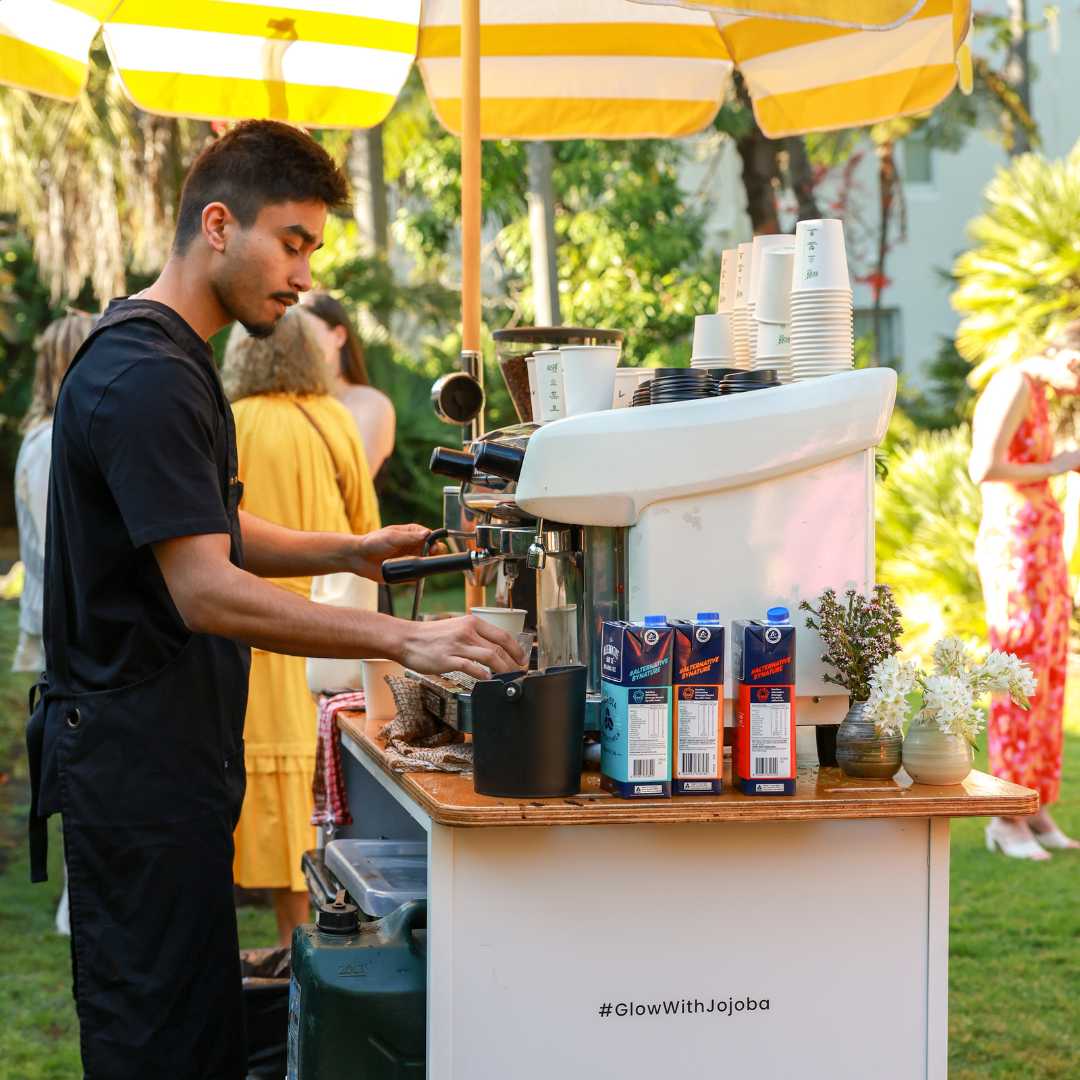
x=932 y=757
x=861 y=751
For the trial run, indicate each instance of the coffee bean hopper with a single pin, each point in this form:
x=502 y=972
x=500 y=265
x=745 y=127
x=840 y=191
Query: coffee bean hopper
x=732 y=504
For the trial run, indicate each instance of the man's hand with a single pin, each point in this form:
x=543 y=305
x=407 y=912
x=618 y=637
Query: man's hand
x=462 y=644
x=393 y=542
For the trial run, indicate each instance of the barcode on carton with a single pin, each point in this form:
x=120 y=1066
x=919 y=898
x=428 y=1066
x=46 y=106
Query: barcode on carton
x=643 y=767
x=697 y=764
x=766 y=766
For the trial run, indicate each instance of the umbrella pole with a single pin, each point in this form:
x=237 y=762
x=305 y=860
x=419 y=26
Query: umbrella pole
x=470 y=220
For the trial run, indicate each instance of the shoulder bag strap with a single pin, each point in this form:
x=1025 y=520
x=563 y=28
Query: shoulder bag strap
x=333 y=461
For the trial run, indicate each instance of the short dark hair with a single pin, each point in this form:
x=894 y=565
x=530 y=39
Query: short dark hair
x=255 y=164
x=352 y=364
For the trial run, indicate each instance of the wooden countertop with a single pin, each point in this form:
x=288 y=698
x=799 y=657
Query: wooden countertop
x=449 y=799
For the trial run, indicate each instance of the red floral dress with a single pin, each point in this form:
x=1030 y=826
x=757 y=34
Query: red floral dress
x=1026 y=585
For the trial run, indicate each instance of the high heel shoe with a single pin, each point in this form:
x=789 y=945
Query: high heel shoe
x=1014 y=840
x=1054 y=838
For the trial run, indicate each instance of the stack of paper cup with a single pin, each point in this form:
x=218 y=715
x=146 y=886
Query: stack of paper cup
x=773 y=242
x=772 y=310
x=714 y=344
x=821 y=307
x=588 y=377
x=740 y=313
x=726 y=300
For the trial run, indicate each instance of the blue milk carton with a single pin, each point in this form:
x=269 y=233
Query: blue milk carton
x=697 y=722
x=635 y=737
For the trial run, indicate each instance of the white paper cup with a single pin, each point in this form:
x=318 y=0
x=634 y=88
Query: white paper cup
x=550 y=384
x=726 y=300
x=627 y=380
x=712 y=337
x=820 y=256
x=764 y=245
x=772 y=303
x=743 y=257
x=534 y=388
x=512 y=620
x=773 y=340
x=588 y=375
x=378 y=699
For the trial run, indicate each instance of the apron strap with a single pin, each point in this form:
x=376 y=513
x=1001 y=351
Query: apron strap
x=35 y=740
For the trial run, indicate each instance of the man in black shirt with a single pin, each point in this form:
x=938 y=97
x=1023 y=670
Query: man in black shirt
x=153 y=598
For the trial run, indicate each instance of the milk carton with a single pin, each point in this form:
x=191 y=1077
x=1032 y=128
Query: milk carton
x=635 y=735
x=763 y=667
x=697 y=726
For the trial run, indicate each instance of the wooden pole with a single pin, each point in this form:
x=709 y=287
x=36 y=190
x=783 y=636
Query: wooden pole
x=470 y=174
x=471 y=209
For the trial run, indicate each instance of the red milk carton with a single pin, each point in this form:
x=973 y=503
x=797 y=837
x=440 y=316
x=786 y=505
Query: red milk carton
x=763 y=667
x=697 y=722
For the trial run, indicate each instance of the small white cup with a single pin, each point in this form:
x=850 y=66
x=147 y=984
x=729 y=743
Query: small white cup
x=534 y=388
x=512 y=620
x=627 y=380
x=743 y=256
x=726 y=300
x=774 y=286
x=764 y=245
x=378 y=699
x=773 y=340
x=588 y=376
x=713 y=337
x=820 y=256
x=549 y=384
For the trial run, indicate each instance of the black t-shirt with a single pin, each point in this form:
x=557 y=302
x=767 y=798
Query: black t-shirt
x=141 y=439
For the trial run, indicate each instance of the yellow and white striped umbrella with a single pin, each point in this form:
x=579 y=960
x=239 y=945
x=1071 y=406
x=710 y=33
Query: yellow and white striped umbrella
x=549 y=68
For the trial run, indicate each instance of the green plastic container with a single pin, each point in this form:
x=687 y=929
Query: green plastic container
x=357 y=1000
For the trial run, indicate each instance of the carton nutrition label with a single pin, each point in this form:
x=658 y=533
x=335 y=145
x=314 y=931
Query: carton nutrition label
x=648 y=738
x=698 y=722
x=770 y=739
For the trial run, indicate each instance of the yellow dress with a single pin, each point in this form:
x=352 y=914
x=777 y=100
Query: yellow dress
x=289 y=479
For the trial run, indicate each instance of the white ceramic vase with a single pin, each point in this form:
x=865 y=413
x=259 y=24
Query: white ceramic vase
x=932 y=757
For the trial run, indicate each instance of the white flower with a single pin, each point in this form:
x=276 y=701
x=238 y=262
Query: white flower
x=951 y=657
x=1004 y=672
x=949 y=702
x=890 y=683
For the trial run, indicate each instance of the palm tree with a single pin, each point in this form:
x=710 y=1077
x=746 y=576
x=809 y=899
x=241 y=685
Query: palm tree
x=1021 y=279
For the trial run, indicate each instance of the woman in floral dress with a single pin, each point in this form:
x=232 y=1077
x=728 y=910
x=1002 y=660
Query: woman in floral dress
x=1025 y=583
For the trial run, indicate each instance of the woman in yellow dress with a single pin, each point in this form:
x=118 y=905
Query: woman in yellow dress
x=302 y=465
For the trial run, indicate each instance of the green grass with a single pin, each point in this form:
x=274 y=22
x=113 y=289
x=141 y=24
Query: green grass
x=1013 y=956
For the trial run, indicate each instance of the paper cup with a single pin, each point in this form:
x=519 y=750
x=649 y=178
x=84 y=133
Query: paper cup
x=743 y=256
x=727 y=281
x=820 y=256
x=534 y=387
x=627 y=380
x=512 y=620
x=378 y=699
x=713 y=338
x=773 y=340
x=588 y=375
x=772 y=303
x=550 y=384
x=764 y=245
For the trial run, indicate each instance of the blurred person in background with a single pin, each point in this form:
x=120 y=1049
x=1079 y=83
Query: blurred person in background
x=1021 y=562
x=343 y=354
x=302 y=465
x=55 y=349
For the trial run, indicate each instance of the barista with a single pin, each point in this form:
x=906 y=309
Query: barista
x=153 y=598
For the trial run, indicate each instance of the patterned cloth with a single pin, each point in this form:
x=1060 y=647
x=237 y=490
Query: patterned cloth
x=1022 y=565
x=328 y=785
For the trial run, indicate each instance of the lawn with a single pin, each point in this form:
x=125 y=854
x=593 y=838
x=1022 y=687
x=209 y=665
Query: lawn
x=1014 y=935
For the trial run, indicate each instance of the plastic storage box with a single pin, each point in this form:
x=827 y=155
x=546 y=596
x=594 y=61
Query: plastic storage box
x=380 y=875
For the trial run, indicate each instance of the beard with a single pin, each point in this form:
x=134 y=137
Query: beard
x=258 y=330
x=229 y=292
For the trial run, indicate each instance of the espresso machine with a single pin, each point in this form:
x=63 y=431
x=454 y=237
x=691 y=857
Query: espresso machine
x=732 y=504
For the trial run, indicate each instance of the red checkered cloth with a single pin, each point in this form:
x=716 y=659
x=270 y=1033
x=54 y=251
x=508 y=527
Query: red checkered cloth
x=328 y=785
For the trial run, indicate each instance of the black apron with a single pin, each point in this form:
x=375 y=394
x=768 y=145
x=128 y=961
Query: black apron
x=149 y=780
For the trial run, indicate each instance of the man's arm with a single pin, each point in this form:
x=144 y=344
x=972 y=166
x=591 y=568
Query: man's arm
x=213 y=596
x=274 y=551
